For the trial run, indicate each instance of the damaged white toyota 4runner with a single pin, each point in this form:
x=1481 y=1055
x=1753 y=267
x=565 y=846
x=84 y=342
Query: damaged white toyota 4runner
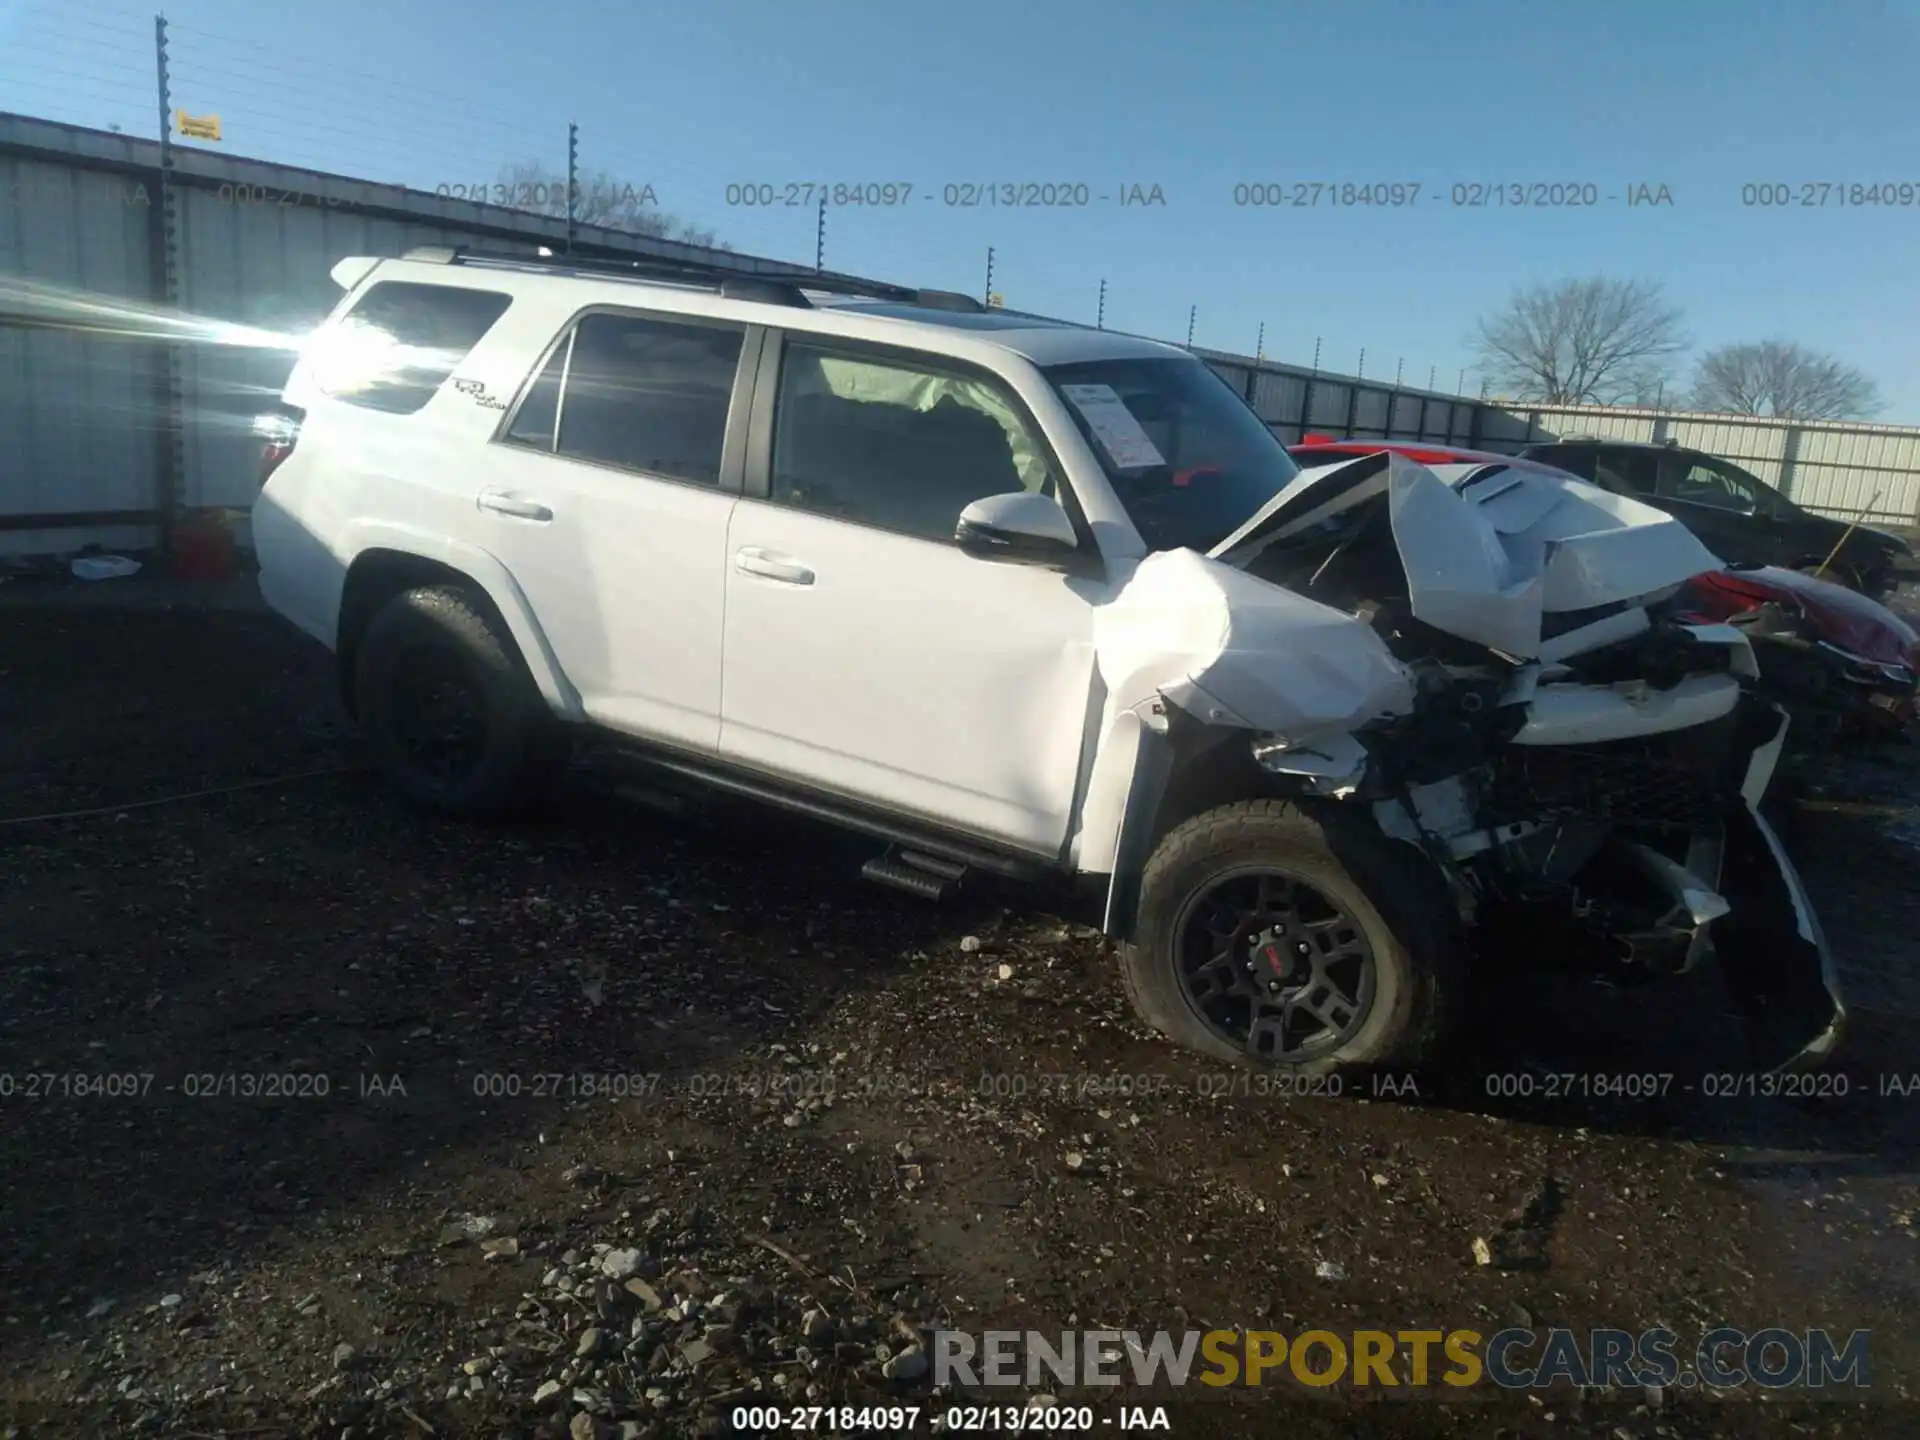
x=1030 y=599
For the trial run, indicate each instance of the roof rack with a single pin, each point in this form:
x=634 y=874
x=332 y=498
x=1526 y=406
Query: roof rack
x=767 y=287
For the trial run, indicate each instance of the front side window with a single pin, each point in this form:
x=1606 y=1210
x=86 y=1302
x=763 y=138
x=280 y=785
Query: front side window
x=1701 y=483
x=400 y=342
x=901 y=445
x=1186 y=457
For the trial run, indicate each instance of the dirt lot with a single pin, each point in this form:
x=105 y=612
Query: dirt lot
x=608 y=1122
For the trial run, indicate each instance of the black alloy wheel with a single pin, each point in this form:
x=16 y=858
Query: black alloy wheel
x=1274 y=965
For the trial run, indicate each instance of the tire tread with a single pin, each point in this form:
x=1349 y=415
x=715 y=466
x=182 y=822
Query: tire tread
x=1405 y=888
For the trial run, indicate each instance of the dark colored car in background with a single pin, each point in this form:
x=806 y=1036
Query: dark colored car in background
x=1737 y=515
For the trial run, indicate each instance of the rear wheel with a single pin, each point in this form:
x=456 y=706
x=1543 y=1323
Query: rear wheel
x=450 y=716
x=1270 y=934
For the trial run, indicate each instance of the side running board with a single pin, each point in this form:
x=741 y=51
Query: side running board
x=931 y=877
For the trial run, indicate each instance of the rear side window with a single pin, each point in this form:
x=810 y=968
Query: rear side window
x=398 y=345
x=638 y=392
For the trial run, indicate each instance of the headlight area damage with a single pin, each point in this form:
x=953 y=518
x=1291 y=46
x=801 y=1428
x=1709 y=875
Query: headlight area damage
x=1844 y=665
x=1488 y=663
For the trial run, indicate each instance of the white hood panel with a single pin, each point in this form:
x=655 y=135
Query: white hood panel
x=1488 y=554
x=1239 y=651
x=1487 y=558
x=1462 y=573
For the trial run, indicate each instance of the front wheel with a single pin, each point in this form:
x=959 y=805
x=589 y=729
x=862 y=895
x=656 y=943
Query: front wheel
x=1273 y=934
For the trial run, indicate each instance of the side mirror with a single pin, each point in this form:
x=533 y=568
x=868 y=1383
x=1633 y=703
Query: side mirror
x=1022 y=527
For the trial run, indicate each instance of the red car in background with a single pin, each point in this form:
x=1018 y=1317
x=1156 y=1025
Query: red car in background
x=1837 y=659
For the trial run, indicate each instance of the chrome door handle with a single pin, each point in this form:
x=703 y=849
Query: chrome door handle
x=770 y=566
x=505 y=504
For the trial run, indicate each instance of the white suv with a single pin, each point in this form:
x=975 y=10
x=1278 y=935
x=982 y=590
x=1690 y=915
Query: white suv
x=1022 y=597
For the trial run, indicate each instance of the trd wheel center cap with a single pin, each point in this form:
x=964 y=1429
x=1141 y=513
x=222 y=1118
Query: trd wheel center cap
x=1278 y=960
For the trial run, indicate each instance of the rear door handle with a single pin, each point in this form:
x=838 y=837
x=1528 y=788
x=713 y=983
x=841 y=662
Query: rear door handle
x=770 y=566
x=501 y=502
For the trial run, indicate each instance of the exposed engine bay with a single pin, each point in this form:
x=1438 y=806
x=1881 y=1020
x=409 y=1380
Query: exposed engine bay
x=1496 y=661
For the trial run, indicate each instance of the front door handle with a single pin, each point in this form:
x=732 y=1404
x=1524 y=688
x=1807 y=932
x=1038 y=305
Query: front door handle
x=771 y=566
x=503 y=503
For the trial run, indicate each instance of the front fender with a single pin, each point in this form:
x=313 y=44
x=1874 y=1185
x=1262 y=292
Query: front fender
x=487 y=572
x=1139 y=747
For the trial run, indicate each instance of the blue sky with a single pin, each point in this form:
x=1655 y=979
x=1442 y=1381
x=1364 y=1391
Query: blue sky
x=1194 y=97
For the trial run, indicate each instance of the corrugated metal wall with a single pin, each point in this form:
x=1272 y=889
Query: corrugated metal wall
x=83 y=416
x=76 y=411
x=1342 y=405
x=266 y=267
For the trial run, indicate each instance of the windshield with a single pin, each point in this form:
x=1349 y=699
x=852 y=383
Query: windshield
x=1188 y=458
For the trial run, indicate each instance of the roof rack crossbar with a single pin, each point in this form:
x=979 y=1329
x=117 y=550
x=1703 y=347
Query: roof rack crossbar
x=785 y=286
x=670 y=268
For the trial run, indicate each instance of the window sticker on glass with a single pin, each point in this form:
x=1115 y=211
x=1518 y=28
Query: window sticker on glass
x=1110 y=420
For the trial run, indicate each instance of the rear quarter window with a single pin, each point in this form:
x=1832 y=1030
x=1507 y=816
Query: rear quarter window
x=400 y=342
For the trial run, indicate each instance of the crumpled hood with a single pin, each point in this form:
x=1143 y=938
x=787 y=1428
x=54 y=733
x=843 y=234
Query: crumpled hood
x=1235 y=650
x=1490 y=550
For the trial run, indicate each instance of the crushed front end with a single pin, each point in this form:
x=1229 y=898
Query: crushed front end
x=1531 y=707
x=1634 y=857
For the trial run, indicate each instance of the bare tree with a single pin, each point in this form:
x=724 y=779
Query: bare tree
x=601 y=199
x=1593 y=341
x=1778 y=377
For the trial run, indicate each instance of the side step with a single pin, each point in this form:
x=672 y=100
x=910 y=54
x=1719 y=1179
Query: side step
x=931 y=877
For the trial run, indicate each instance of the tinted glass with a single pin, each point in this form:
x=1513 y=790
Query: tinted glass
x=1701 y=483
x=901 y=446
x=649 y=395
x=1629 y=471
x=1187 y=458
x=400 y=342
x=533 y=423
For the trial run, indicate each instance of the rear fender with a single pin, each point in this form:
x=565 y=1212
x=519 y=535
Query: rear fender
x=489 y=575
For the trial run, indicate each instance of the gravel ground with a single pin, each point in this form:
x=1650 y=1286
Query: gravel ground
x=798 y=1122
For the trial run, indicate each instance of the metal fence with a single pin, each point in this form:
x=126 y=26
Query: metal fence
x=1295 y=400
x=1835 y=467
x=207 y=259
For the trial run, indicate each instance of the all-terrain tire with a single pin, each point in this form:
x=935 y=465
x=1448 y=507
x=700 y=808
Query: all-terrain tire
x=1393 y=892
x=521 y=751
